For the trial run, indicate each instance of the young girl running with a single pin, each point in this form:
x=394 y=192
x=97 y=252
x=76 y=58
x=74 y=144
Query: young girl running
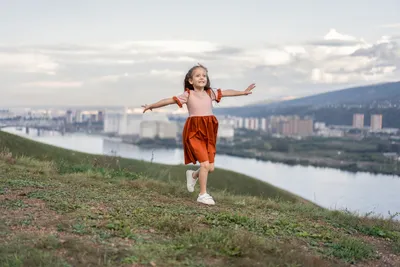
x=201 y=128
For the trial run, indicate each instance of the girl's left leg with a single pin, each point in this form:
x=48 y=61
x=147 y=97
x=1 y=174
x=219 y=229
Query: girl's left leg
x=191 y=179
x=212 y=167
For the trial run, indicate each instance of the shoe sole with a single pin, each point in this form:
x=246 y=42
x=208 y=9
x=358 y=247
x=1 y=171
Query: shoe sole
x=208 y=204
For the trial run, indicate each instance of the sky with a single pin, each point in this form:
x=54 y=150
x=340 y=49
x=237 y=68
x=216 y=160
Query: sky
x=130 y=53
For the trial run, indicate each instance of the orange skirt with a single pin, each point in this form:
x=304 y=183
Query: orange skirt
x=199 y=139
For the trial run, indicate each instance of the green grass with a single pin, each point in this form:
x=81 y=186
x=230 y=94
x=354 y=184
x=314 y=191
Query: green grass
x=68 y=161
x=94 y=211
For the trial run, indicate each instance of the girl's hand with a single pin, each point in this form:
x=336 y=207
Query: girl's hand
x=146 y=107
x=248 y=90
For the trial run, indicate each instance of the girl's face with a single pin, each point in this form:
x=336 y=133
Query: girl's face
x=199 y=78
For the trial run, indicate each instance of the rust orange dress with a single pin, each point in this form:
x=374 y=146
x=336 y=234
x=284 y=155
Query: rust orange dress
x=199 y=136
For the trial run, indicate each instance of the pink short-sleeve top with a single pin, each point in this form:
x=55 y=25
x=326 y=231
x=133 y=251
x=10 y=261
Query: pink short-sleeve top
x=199 y=103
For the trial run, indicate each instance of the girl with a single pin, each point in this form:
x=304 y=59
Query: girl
x=200 y=131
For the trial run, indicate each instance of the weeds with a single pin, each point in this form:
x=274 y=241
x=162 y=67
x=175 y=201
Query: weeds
x=101 y=211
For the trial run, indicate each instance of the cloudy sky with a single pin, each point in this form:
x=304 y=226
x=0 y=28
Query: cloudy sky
x=127 y=52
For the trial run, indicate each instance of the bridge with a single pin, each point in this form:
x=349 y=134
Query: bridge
x=40 y=125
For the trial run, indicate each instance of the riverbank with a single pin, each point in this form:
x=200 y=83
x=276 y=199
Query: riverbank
x=363 y=158
x=61 y=208
x=322 y=162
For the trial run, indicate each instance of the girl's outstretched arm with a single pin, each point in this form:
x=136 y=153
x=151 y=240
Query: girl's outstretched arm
x=231 y=92
x=159 y=104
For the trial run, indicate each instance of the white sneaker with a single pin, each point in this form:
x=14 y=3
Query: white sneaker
x=206 y=199
x=190 y=182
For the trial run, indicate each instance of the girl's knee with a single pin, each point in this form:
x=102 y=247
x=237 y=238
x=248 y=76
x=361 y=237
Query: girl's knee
x=205 y=165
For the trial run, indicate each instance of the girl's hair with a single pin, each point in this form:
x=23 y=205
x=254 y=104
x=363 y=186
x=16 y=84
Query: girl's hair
x=189 y=74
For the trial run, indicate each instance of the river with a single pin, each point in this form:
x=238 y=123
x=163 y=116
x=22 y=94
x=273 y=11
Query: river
x=330 y=188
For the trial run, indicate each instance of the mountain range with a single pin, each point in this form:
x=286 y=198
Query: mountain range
x=333 y=108
x=362 y=95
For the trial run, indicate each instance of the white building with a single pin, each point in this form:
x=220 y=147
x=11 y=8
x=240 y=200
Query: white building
x=358 y=121
x=226 y=120
x=130 y=123
x=239 y=122
x=78 y=116
x=226 y=127
x=148 y=129
x=123 y=122
x=236 y=122
x=327 y=132
x=68 y=116
x=162 y=129
x=319 y=125
x=112 y=122
x=264 y=125
x=226 y=131
x=251 y=123
x=376 y=122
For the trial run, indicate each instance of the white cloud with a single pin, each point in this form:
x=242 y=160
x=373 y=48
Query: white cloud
x=27 y=62
x=347 y=64
x=175 y=59
x=392 y=25
x=109 y=78
x=161 y=46
x=159 y=73
x=166 y=73
x=296 y=51
x=351 y=60
x=52 y=84
x=335 y=35
x=273 y=57
x=374 y=74
x=118 y=73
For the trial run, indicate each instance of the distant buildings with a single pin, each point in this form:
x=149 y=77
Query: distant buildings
x=376 y=122
x=158 y=129
x=324 y=131
x=79 y=116
x=68 y=116
x=294 y=126
x=226 y=128
x=282 y=125
x=6 y=114
x=112 y=121
x=134 y=123
x=358 y=121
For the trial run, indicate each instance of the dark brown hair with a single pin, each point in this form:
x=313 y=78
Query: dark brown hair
x=189 y=74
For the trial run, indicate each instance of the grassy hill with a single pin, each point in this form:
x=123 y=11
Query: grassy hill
x=71 y=161
x=63 y=208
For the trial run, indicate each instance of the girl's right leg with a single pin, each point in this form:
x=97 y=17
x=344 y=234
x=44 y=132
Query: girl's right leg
x=193 y=176
x=204 y=197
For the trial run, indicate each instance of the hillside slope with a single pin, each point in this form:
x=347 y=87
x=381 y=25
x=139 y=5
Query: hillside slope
x=75 y=214
x=231 y=182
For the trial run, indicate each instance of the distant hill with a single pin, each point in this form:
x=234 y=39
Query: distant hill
x=353 y=96
x=356 y=95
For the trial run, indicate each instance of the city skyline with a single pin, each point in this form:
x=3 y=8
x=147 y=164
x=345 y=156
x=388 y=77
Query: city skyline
x=94 y=54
